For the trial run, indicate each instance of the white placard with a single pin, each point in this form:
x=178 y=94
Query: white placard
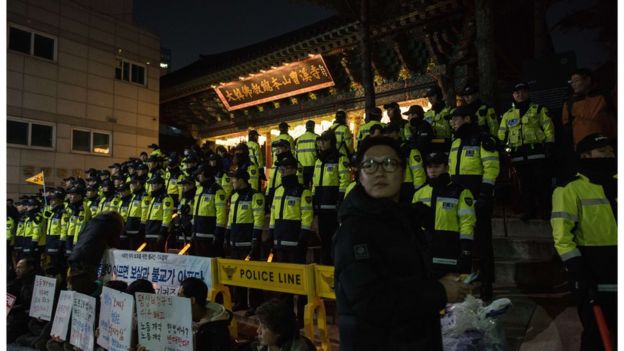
x=115 y=321
x=62 y=314
x=164 y=322
x=42 y=298
x=165 y=271
x=83 y=322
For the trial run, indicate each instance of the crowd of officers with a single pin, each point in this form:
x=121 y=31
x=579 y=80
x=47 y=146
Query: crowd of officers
x=219 y=201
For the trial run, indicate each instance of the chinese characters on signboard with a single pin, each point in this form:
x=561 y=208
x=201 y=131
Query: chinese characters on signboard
x=289 y=80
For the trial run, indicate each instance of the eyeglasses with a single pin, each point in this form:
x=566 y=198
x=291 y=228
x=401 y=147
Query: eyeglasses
x=388 y=164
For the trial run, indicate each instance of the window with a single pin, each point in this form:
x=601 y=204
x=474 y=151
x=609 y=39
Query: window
x=130 y=72
x=92 y=142
x=32 y=43
x=30 y=133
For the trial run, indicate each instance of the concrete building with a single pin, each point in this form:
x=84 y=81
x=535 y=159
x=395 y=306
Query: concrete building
x=82 y=88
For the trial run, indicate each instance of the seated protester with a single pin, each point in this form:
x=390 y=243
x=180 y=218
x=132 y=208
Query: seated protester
x=22 y=288
x=210 y=320
x=278 y=329
x=450 y=239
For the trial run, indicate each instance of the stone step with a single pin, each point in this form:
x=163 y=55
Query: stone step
x=513 y=227
x=530 y=273
x=537 y=248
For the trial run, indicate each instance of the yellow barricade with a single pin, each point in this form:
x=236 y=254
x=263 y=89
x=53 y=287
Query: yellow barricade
x=310 y=280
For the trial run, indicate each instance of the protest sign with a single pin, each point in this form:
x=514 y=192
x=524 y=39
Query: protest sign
x=165 y=271
x=10 y=302
x=115 y=322
x=82 y=322
x=164 y=322
x=62 y=315
x=42 y=298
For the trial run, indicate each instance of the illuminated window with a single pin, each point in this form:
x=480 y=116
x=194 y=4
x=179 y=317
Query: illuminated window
x=32 y=134
x=91 y=142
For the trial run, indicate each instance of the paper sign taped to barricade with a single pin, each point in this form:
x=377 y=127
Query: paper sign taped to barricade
x=324 y=279
x=82 y=322
x=42 y=298
x=283 y=277
x=10 y=302
x=164 y=322
x=165 y=271
x=115 y=321
x=62 y=314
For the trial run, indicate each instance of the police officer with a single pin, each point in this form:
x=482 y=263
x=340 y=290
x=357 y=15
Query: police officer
x=474 y=165
x=125 y=196
x=529 y=133
x=137 y=213
x=109 y=201
x=158 y=215
x=12 y=220
x=242 y=161
x=418 y=133
x=344 y=136
x=209 y=215
x=20 y=233
x=34 y=231
x=172 y=176
x=282 y=149
x=290 y=226
x=92 y=200
x=255 y=152
x=244 y=232
x=373 y=117
x=141 y=172
x=221 y=176
x=283 y=135
x=437 y=117
x=306 y=152
x=76 y=217
x=155 y=167
x=182 y=223
x=486 y=115
x=584 y=223
x=331 y=178
x=454 y=218
x=396 y=118
x=155 y=150
x=54 y=230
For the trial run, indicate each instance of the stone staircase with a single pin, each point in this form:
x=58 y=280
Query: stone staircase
x=528 y=271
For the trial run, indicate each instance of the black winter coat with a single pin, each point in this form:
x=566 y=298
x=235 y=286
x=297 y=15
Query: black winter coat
x=387 y=298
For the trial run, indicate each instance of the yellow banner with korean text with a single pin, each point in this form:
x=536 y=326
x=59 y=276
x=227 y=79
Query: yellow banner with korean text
x=281 y=277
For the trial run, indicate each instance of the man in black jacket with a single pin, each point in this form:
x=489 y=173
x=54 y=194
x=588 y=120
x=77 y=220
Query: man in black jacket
x=386 y=294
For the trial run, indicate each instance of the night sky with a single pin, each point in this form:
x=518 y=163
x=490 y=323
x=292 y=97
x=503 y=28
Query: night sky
x=190 y=28
x=194 y=27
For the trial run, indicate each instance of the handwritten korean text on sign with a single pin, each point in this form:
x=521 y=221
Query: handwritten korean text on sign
x=42 y=298
x=164 y=322
x=82 y=322
x=62 y=314
x=115 y=322
x=289 y=80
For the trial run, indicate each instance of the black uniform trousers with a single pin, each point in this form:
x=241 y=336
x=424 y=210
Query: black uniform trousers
x=327 y=226
x=251 y=298
x=308 y=174
x=534 y=181
x=296 y=254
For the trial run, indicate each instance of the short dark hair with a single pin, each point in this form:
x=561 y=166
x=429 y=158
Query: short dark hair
x=280 y=318
x=118 y=285
x=195 y=287
x=374 y=128
x=369 y=142
x=584 y=72
x=140 y=285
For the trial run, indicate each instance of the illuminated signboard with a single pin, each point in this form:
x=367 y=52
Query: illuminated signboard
x=288 y=80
